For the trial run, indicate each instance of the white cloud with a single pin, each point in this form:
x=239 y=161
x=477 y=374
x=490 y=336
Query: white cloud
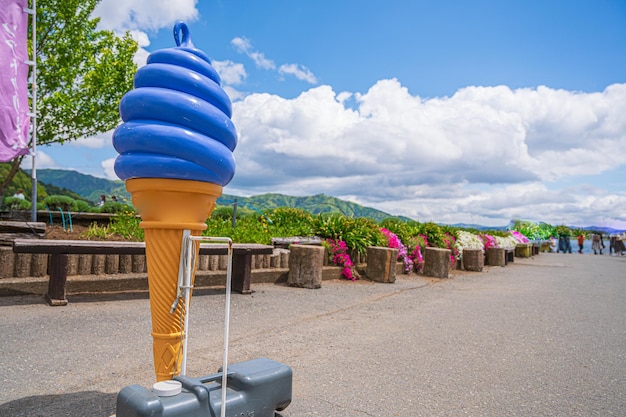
x=140 y=17
x=231 y=73
x=42 y=159
x=244 y=46
x=299 y=71
x=484 y=150
x=93 y=142
x=108 y=168
x=150 y=15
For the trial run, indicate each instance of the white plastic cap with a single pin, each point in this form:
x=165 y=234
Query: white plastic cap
x=167 y=388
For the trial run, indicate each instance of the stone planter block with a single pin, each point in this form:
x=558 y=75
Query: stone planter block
x=524 y=250
x=473 y=260
x=305 y=266
x=22 y=265
x=84 y=264
x=381 y=264
x=7 y=262
x=112 y=264
x=203 y=263
x=214 y=262
x=222 y=262
x=139 y=263
x=126 y=264
x=39 y=265
x=496 y=256
x=284 y=259
x=437 y=262
x=97 y=264
x=72 y=264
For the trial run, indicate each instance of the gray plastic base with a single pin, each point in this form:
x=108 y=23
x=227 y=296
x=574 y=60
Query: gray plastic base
x=256 y=388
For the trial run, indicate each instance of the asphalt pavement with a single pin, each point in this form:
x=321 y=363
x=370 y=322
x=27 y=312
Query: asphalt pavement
x=544 y=336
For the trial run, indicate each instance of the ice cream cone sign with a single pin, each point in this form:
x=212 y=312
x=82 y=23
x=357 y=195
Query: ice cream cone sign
x=175 y=154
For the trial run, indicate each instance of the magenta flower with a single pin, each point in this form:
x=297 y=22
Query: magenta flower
x=340 y=257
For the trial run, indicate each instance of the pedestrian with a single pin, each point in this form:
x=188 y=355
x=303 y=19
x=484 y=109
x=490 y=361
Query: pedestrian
x=619 y=245
x=602 y=242
x=568 y=245
x=103 y=199
x=581 y=241
x=19 y=194
x=612 y=239
x=564 y=242
x=553 y=247
x=596 y=244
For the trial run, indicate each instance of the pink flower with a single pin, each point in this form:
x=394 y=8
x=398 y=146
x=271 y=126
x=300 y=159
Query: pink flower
x=394 y=242
x=340 y=257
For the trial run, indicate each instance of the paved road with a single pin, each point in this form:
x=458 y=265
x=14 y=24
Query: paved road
x=541 y=337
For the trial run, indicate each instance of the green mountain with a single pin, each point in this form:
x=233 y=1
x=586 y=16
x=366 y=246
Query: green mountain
x=90 y=188
x=87 y=186
x=315 y=204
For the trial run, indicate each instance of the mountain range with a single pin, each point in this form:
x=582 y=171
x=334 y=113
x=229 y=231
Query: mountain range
x=90 y=188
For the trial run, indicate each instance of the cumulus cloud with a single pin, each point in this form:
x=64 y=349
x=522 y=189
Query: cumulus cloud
x=483 y=155
x=93 y=142
x=231 y=73
x=43 y=160
x=400 y=151
x=141 y=17
x=150 y=15
x=108 y=169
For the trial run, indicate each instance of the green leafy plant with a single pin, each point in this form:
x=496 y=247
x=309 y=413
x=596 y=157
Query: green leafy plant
x=15 y=203
x=56 y=202
x=126 y=224
x=357 y=233
x=96 y=231
x=82 y=206
x=287 y=221
x=114 y=207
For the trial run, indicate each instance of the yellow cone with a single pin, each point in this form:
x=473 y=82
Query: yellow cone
x=167 y=207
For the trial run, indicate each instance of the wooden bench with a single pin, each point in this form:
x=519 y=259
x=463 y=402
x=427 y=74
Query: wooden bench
x=60 y=249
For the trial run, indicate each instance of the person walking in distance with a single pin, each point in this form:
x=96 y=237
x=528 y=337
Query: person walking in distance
x=596 y=244
x=581 y=242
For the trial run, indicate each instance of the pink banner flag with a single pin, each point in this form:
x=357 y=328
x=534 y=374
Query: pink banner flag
x=14 y=120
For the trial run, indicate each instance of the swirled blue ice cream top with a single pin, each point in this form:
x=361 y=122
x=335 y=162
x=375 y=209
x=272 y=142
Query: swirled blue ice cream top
x=177 y=119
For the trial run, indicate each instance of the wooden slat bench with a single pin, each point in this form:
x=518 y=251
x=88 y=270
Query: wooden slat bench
x=60 y=249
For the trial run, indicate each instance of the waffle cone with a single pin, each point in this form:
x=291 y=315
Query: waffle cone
x=167 y=207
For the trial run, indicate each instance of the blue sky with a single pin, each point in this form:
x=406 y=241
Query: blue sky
x=450 y=111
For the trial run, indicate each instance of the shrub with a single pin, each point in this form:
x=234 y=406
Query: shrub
x=224 y=213
x=287 y=221
x=115 y=207
x=434 y=234
x=15 y=203
x=358 y=233
x=56 y=202
x=82 y=206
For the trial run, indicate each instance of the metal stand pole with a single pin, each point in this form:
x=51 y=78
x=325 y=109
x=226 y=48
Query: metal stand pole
x=187 y=263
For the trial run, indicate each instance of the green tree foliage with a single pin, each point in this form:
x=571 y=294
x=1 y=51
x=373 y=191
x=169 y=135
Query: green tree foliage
x=82 y=73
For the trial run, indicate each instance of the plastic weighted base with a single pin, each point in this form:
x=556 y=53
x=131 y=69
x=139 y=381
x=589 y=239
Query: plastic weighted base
x=256 y=388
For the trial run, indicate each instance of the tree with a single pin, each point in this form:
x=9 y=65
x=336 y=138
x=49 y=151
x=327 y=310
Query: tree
x=82 y=74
